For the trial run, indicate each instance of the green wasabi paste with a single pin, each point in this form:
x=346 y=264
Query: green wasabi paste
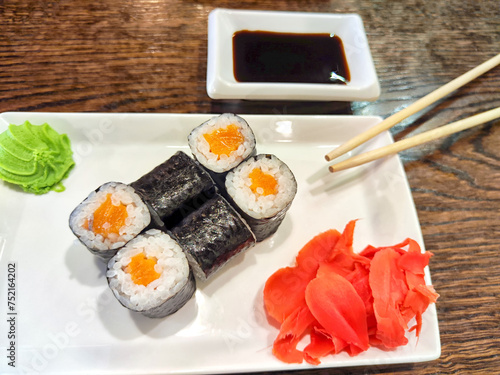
x=35 y=157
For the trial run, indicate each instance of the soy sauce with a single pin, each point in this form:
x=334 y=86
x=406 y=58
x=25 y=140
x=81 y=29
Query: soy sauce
x=262 y=56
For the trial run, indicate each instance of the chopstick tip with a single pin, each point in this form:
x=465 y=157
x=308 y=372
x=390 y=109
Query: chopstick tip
x=331 y=169
x=327 y=157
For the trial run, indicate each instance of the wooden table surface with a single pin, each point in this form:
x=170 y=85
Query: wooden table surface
x=150 y=56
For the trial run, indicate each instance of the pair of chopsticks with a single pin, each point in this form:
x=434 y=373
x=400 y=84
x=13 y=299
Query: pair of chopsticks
x=430 y=135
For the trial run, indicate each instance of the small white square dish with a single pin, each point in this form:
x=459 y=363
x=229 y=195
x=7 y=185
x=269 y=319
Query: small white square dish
x=222 y=84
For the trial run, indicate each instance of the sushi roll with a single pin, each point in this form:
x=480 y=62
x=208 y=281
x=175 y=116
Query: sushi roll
x=212 y=235
x=175 y=188
x=262 y=188
x=151 y=275
x=108 y=218
x=221 y=143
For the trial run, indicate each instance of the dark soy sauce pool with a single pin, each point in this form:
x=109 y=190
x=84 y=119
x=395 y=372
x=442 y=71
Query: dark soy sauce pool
x=262 y=56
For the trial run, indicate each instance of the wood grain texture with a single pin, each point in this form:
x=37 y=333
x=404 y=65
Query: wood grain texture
x=150 y=56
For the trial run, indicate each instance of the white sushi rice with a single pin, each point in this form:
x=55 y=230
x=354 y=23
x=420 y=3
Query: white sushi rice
x=257 y=205
x=171 y=264
x=138 y=216
x=201 y=149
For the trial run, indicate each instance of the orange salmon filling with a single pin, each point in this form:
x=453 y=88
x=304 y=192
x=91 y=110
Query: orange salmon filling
x=262 y=183
x=223 y=141
x=142 y=269
x=109 y=218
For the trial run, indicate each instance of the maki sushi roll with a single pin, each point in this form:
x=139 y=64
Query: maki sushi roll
x=221 y=143
x=108 y=218
x=212 y=235
x=175 y=188
x=151 y=275
x=262 y=188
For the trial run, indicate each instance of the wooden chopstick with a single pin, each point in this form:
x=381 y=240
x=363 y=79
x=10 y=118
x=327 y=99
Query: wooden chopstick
x=414 y=108
x=416 y=140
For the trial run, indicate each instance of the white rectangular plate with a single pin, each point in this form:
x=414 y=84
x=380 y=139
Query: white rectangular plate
x=68 y=321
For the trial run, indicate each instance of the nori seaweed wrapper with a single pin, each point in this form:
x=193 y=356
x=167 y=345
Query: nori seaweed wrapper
x=212 y=235
x=174 y=303
x=169 y=305
x=265 y=227
x=219 y=176
x=106 y=255
x=175 y=188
